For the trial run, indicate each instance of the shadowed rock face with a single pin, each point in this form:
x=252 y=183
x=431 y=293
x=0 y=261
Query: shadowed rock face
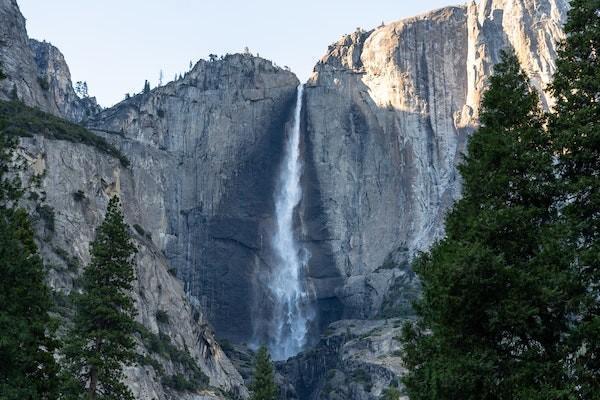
x=387 y=115
x=205 y=151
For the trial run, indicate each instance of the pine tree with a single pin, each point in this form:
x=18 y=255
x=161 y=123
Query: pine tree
x=101 y=340
x=263 y=384
x=575 y=128
x=27 y=367
x=494 y=303
x=146 y=87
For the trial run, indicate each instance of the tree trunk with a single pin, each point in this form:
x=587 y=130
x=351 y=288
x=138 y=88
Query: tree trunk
x=93 y=384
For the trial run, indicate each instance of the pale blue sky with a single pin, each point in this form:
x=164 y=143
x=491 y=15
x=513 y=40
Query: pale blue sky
x=116 y=44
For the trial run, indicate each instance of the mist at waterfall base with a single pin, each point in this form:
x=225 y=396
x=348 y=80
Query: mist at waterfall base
x=292 y=309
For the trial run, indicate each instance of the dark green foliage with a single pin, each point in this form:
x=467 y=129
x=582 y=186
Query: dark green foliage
x=71 y=261
x=146 y=87
x=575 y=129
x=46 y=213
x=362 y=377
x=142 y=232
x=496 y=289
x=138 y=228
x=191 y=377
x=2 y=74
x=391 y=393
x=43 y=82
x=17 y=119
x=162 y=317
x=79 y=195
x=178 y=382
x=101 y=341
x=27 y=367
x=263 y=383
x=14 y=93
x=226 y=346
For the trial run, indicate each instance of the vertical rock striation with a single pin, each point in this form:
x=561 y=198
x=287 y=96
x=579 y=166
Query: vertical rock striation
x=387 y=115
x=204 y=152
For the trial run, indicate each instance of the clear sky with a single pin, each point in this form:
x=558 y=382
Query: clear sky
x=115 y=45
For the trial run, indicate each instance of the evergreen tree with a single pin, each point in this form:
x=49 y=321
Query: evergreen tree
x=2 y=74
x=27 y=367
x=101 y=340
x=263 y=383
x=575 y=128
x=146 y=87
x=494 y=303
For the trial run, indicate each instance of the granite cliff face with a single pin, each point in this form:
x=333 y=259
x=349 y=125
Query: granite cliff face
x=204 y=152
x=387 y=116
x=36 y=71
x=73 y=185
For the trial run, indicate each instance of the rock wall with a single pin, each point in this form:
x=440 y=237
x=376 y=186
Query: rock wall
x=72 y=184
x=37 y=73
x=354 y=359
x=204 y=152
x=387 y=116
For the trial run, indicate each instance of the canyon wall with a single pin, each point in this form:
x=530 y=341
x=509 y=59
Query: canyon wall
x=37 y=73
x=387 y=116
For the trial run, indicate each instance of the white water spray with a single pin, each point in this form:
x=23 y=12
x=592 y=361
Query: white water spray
x=291 y=313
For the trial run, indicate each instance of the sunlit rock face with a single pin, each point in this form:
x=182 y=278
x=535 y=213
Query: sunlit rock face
x=388 y=113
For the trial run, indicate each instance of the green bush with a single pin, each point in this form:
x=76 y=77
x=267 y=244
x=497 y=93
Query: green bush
x=162 y=346
x=138 y=228
x=78 y=195
x=46 y=213
x=44 y=84
x=162 y=317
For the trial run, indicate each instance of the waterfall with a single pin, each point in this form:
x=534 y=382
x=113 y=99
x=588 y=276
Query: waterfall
x=291 y=312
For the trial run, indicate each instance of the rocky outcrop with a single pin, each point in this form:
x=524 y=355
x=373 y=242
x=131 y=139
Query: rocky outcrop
x=71 y=184
x=387 y=115
x=204 y=152
x=37 y=73
x=355 y=359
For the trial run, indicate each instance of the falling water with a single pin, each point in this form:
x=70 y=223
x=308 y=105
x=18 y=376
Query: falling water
x=291 y=314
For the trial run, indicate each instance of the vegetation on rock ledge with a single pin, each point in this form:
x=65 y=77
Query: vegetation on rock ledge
x=17 y=119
